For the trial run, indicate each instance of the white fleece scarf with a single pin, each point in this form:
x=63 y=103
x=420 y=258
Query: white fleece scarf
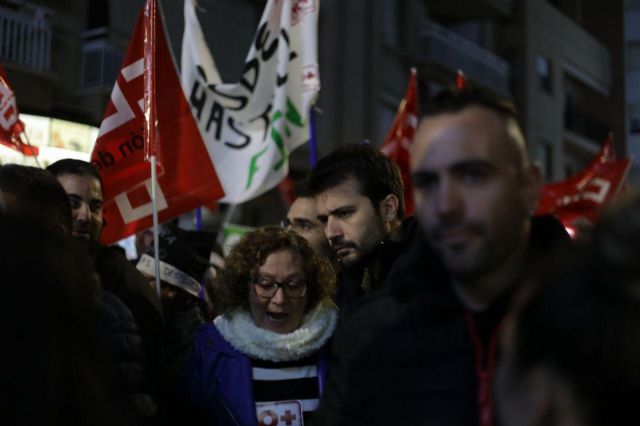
x=239 y=330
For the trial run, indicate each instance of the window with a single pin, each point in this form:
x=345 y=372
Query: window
x=545 y=158
x=544 y=71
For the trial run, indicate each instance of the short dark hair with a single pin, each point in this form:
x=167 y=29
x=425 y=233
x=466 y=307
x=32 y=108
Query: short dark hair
x=302 y=189
x=452 y=100
x=38 y=195
x=252 y=251
x=376 y=174
x=75 y=167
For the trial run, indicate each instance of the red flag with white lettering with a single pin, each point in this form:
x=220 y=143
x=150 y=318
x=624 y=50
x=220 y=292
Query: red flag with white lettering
x=10 y=125
x=186 y=177
x=398 y=140
x=583 y=195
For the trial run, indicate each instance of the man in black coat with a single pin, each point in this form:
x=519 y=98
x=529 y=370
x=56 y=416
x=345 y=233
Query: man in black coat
x=360 y=203
x=424 y=350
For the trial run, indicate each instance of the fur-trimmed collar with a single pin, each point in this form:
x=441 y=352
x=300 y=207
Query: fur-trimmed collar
x=239 y=330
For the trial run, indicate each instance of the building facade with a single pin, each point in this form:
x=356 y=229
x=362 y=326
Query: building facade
x=561 y=61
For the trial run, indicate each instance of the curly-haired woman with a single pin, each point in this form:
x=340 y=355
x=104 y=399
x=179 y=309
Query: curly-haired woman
x=264 y=359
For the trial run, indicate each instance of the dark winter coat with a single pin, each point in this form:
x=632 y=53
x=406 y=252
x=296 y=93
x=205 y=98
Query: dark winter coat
x=412 y=353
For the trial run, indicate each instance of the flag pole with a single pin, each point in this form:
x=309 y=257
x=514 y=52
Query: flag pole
x=198 y=219
x=150 y=12
x=156 y=226
x=313 y=153
x=228 y=215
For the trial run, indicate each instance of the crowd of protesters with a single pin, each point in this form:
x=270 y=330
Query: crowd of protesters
x=473 y=312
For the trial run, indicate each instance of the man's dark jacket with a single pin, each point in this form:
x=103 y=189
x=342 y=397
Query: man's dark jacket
x=121 y=356
x=405 y=355
x=370 y=274
x=120 y=277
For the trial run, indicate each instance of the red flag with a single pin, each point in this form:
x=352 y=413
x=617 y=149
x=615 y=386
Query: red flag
x=186 y=176
x=10 y=125
x=398 y=140
x=287 y=191
x=461 y=81
x=583 y=195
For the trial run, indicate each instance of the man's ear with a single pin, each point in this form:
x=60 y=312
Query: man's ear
x=533 y=186
x=388 y=208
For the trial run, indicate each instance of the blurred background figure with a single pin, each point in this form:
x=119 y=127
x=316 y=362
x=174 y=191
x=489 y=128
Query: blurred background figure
x=36 y=196
x=265 y=357
x=184 y=258
x=34 y=193
x=302 y=218
x=143 y=242
x=48 y=368
x=572 y=350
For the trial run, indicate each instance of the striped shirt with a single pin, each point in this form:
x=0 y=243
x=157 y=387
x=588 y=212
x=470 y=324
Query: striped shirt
x=286 y=381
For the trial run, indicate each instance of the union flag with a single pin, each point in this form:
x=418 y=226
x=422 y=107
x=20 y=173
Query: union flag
x=11 y=127
x=582 y=196
x=186 y=177
x=400 y=136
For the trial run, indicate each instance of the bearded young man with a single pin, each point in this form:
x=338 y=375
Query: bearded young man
x=360 y=202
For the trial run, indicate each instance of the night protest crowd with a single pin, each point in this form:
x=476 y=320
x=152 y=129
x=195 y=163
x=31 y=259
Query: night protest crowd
x=470 y=312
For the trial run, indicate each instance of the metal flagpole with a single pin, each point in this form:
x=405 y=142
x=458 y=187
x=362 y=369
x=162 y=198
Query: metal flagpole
x=198 y=212
x=227 y=219
x=313 y=152
x=150 y=12
x=156 y=226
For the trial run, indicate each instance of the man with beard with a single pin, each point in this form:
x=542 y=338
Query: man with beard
x=83 y=185
x=360 y=202
x=423 y=350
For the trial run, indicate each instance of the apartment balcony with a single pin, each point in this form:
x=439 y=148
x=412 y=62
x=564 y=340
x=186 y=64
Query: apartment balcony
x=470 y=9
x=445 y=48
x=25 y=37
x=579 y=121
x=101 y=61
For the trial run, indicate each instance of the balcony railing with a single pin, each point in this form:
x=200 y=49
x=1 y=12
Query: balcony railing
x=445 y=47
x=25 y=38
x=101 y=63
x=581 y=122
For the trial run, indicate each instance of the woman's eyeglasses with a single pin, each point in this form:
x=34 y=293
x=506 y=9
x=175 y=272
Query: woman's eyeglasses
x=267 y=287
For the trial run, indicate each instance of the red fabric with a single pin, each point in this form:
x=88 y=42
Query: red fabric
x=398 y=140
x=485 y=368
x=186 y=175
x=10 y=125
x=287 y=191
x=583 y=195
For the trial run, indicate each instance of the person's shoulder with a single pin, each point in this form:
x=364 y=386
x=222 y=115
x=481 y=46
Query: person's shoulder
x=209 y=338
x=417 y=264
x=111 y=262
x=385 y=307
x=112 y=307
x=110 y=253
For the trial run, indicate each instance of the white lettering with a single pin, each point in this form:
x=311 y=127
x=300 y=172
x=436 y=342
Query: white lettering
x=130 y=214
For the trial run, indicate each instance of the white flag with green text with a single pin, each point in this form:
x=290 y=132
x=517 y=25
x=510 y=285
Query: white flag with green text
x=251 y=126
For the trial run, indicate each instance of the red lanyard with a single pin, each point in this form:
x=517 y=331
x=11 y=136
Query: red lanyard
x=485 y=368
